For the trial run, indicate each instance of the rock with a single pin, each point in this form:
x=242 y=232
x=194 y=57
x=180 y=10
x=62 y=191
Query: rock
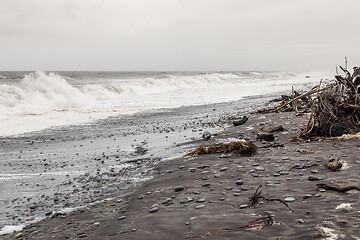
x=19 y=235
x=245 y=188
x=276 y=174
x=306 y=196
x=259 y=169
x=224 y=155
x=240 y=121
x=154 y=209
x=223 y=169
x=82 y=235
x=200 y=206
x=201 y=200
x=289 y=199
x=179 y=188
x=239 y=182
x=206 y=136
x=313 y=178
x=266 y=136
x=242 y=206
x=334 y=165
x=187 y=223
x=121 y=218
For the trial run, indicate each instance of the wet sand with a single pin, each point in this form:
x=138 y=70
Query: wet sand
x=213 y=193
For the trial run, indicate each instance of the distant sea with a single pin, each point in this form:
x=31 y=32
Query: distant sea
x=32 y=101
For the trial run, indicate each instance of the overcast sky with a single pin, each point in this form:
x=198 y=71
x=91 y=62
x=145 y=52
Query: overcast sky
x=178 y=34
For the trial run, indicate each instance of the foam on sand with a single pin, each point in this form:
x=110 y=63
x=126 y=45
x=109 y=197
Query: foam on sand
x=10 y=229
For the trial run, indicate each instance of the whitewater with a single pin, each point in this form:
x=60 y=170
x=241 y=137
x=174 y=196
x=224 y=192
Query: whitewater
x=34 y=101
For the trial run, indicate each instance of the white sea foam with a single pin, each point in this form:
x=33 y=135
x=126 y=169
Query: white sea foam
x=10 y=229
x=43 y=100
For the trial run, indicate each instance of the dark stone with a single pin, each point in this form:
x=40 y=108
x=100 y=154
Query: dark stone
x=206 y=136
x=179 y=188
x=266 y=136
x=240 y=121
x=239 y=182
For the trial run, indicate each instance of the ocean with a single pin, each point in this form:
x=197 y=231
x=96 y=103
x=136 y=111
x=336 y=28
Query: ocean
x=71 y=139
x=32 y=101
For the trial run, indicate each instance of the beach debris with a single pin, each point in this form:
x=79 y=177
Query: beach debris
x=259 y=223
x=338 y=189
x=242 y=148
x=279 y=128
x=206 y=136
x=256 y=197
x=336 y=108
x=334 y=164
x=273 y=145
x=241 y=121
x=266 y=136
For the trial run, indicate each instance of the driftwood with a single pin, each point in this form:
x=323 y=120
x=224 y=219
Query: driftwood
x=336 y=108
x=338 y=189
x=279 y=128
x=258 y=223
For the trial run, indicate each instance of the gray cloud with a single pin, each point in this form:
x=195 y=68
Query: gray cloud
x=178 y=34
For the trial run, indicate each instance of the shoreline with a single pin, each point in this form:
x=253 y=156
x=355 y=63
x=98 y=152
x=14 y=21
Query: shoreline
x=59 y=168
x=212 y=200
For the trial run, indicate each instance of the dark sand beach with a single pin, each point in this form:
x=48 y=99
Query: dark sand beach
x=210 y=196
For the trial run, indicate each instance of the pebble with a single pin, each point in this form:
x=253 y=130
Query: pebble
x=313 y=178
x=239 y=182
x=242 y=206
x=206 y=184
x=201 y=200
x=245 y=188
x=276 y=174
x=121 y=217
x=187 y=223
x=192 y=169
x=179 y=188
x=154 y=209
x=223 y=169
x=19 y=235
x=260 y=169
x=306 y=196
x=283 y=172
x=289 y=199
x=225 y=156
x=82 y=235
x=200 y=206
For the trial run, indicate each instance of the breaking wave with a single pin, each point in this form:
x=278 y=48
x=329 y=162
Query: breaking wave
x=49 y=94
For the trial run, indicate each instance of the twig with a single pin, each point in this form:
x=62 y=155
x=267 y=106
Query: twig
x=260 y=223
x=255 y=199
x=338 y=189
